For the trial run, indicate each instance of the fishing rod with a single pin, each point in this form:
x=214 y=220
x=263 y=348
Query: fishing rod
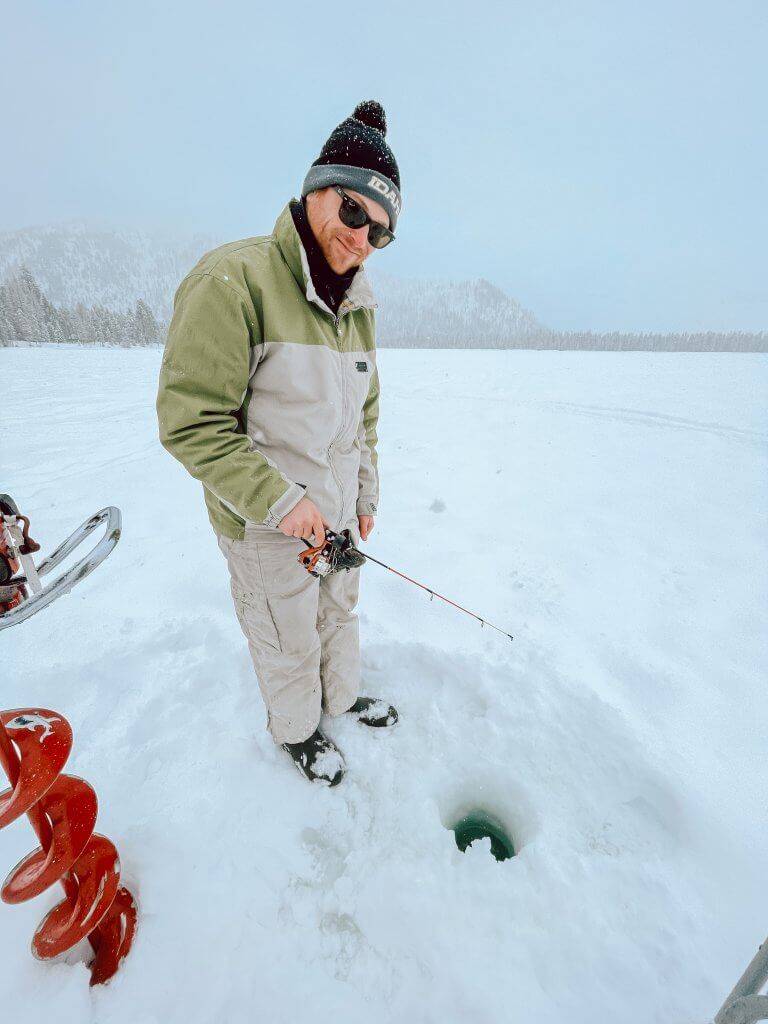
x=337 y=552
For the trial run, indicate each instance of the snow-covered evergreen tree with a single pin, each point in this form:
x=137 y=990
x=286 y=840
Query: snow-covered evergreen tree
x=27 y=315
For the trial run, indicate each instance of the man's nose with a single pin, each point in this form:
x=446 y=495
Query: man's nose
x=358 y=238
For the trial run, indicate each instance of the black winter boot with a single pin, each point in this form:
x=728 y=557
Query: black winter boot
x=318 y=759
x=374 y=712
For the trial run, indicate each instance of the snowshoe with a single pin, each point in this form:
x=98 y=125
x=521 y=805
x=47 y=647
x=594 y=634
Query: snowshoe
x=374 y=712
x=318 y=759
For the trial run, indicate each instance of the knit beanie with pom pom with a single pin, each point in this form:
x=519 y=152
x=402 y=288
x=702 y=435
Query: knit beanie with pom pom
x=357 y=155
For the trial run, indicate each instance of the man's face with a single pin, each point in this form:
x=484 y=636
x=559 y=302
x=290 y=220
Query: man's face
x=342 y=247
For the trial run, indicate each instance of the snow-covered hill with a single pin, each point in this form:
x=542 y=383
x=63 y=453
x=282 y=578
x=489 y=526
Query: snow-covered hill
x=609 y=511
x=78 y=263
x=448 y=314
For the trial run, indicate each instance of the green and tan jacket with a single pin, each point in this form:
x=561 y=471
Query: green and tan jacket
x=264 y=394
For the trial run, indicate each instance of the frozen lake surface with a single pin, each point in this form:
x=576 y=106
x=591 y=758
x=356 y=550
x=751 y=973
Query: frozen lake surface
x=609 y=510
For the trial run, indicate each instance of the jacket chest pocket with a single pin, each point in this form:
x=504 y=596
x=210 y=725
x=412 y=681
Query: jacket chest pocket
x=359 y=374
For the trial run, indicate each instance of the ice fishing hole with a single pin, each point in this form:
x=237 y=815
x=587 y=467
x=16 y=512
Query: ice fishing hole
x=480 y=824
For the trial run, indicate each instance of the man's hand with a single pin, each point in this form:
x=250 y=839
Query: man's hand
x=366 y=526
x=304 y=520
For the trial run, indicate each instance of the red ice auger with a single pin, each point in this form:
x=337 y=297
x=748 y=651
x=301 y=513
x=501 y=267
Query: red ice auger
x=34 y=746
x=24 y=587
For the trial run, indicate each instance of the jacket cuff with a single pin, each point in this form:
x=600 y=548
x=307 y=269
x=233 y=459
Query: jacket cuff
x=366 y=507
x=288 y=500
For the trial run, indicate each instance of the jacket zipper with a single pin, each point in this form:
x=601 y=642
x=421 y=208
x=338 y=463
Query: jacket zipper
x=336 y=321
x=339 y=484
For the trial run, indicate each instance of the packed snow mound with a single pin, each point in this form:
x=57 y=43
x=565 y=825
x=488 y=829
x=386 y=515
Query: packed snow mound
x=604 y=508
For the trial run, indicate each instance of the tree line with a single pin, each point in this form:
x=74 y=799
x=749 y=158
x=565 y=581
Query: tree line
x=610 y=341
x=26 y=315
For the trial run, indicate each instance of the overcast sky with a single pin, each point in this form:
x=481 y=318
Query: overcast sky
x=605 y=163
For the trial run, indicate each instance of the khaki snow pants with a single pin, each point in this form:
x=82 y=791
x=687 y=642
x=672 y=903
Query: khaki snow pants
x=302 y=631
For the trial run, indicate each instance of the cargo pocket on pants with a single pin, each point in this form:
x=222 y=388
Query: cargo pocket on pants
x=255 y=618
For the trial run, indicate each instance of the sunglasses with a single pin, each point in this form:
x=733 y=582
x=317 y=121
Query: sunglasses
x=353 y=215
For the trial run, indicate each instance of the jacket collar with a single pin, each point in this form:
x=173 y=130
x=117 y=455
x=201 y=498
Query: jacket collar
x=359 y=295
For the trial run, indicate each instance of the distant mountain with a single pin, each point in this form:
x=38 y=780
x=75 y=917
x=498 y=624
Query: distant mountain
x=94 y=284
x=79 y=264
x=449 y=314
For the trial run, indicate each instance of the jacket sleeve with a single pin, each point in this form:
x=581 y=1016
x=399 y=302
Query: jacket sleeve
x=203 y=382
x=368 y=477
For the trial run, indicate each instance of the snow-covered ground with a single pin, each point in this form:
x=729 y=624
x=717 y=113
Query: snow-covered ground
x=609 y=510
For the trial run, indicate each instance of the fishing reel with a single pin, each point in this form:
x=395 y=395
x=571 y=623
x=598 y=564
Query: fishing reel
x=337 y=552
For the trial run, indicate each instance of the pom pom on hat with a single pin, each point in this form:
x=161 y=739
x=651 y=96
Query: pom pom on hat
x=371 y=112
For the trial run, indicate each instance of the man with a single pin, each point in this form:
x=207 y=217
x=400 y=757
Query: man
x=269 y=396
